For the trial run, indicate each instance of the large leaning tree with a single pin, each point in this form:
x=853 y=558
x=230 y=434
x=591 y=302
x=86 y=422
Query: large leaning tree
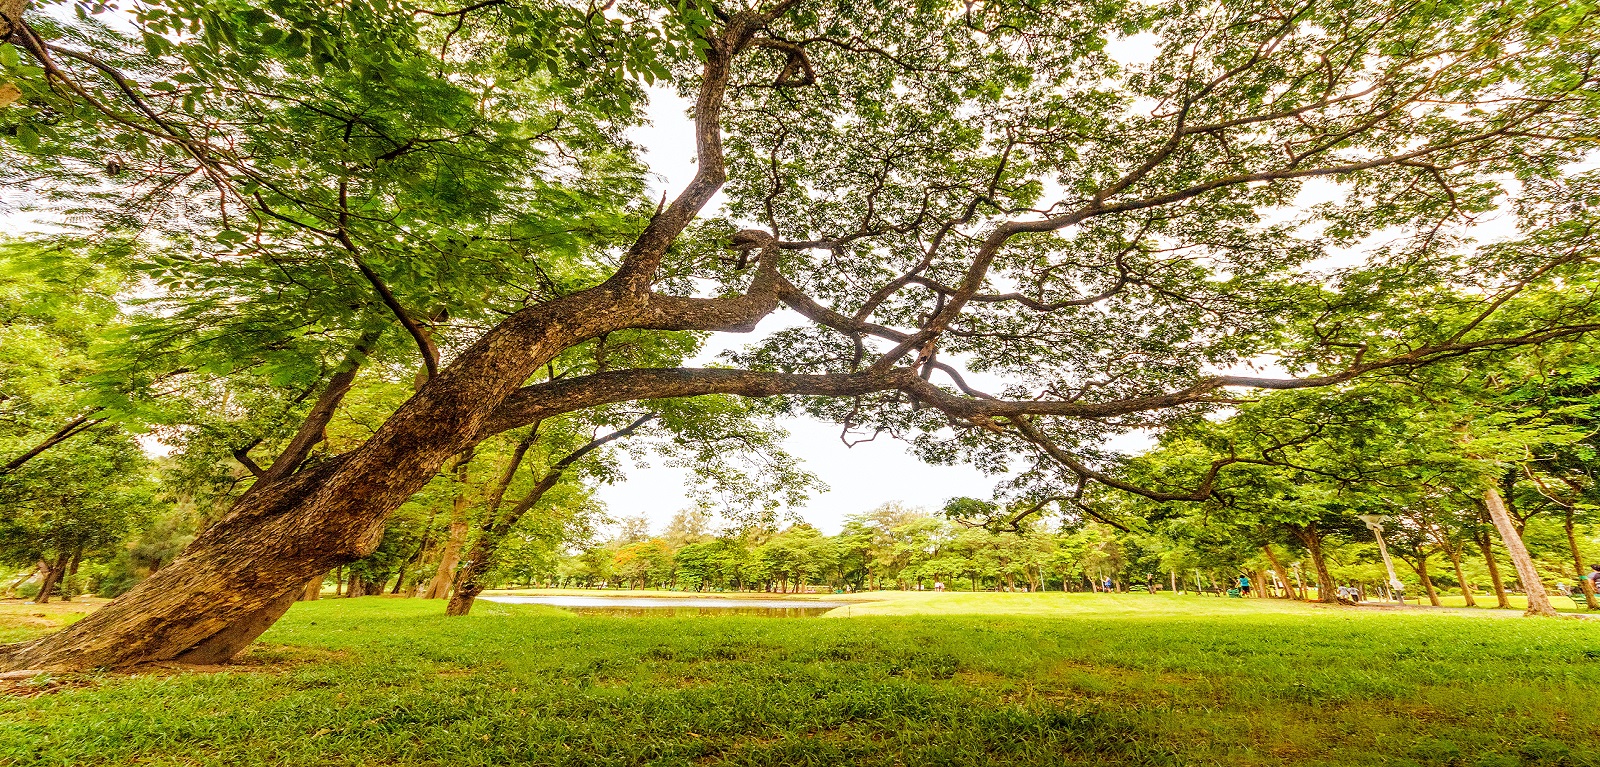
x=1001 y=230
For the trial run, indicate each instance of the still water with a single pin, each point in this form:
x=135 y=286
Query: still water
x=676 y=607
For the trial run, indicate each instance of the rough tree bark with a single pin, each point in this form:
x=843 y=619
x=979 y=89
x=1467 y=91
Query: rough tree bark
x=1538 y=600
x=10 y=18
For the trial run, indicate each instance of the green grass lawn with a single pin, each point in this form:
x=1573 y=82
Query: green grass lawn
x=1041 y=679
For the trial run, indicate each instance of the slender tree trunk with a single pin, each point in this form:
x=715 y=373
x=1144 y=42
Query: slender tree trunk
x=1538 y=601
x=1486 y=546
x=1421 y=568
x=470 y=583
x=1577 y=563
x=52 y=576
x=1454 y=553
x=1277 y=567
x=1311 y=538
x=313 y=589
x=439 y=587
x=72 y=570
x=421 y=553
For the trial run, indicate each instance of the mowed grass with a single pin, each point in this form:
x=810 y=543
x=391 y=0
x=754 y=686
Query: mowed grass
x=1079 y=679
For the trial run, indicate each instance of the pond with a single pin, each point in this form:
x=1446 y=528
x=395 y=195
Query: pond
x=676 y=607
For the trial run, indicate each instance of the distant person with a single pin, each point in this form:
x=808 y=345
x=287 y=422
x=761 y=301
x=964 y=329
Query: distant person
x=1594 y=577
x=938 y=585
x=1107 y=585
x=1244 y=585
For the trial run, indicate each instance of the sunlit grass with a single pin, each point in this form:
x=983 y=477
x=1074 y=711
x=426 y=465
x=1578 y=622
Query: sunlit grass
x=1109 y=679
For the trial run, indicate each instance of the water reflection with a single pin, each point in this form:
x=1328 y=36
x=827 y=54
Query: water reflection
x=675 y=607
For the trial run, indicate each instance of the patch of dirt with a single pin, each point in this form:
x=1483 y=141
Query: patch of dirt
x=44 y=684
x=256 y=659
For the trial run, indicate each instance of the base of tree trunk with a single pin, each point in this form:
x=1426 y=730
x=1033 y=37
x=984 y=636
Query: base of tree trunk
x=225 y=644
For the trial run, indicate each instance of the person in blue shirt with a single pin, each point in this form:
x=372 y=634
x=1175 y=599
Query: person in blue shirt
x=1244 y=585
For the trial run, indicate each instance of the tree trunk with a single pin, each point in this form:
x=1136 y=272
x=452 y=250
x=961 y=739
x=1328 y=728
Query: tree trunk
x=1538 y=601
x=1486 y=546
x=1421 y=568
x=1311 y=538
x=52 y=576
x=1577 y=564
x=313 y=589
x=234 y=575
x=72 y=570
x=439 y=587
x=1277 y=567
x=470 y=582
x=1461 y=578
